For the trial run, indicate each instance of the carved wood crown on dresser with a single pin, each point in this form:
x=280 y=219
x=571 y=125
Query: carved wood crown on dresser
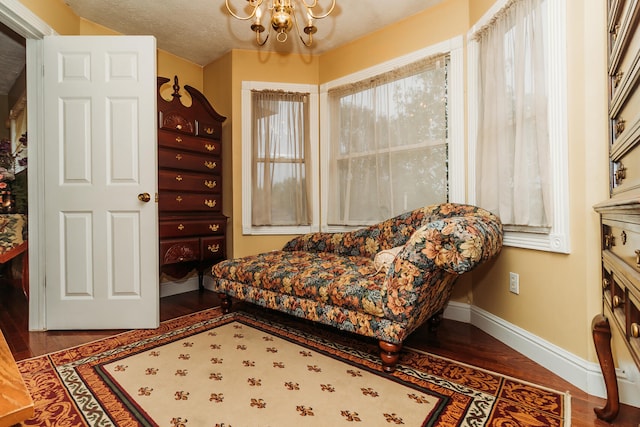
x=191 y=224
x=620 y=214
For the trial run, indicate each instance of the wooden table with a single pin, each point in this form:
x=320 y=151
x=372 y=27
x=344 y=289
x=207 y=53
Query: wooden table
x=16 y=404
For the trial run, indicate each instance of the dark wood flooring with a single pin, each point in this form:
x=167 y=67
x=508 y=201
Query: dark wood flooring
x=455 y=340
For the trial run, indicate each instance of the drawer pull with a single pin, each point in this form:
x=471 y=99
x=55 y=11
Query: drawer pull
x=623 y=238
x=210 y=147
x=209 y=130
x=210 y=164
x=621 y=173
x=178 y=156
x=617 y=78
x=178 y=178
x=608 y=240
x=606 y=283
x=617 y=301
x=619 y=127
x=181 y=227
x=179 y=127
x=179 y=199
x=635 y=330
x=210 y=184
x=210 y=203
x=213 y=248
x=214 y=227
x=638 y=258
x=178 y=139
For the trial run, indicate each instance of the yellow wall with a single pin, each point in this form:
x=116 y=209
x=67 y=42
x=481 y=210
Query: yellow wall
x=57 y=14
x=236 y=67
x=442 y=22
x=559 y=293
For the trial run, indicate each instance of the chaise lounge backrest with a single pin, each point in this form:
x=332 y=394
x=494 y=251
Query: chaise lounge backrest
x=396 y=231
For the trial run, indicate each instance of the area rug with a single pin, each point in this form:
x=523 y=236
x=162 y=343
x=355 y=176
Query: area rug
x=240 y=369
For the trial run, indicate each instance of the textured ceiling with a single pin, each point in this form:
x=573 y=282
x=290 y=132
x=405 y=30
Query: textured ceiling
x=202 y=30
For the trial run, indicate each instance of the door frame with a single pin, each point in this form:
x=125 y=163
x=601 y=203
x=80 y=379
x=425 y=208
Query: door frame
x=25 y=23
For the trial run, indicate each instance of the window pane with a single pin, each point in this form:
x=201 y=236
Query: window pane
x=390 y=146
x=420 y=177
x=280 y=138
x=288 y=201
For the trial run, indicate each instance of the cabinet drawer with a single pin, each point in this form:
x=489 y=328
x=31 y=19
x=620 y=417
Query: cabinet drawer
x=176 y=201
x=175 y=159
x=184 y=181
x=624 y=304
x=626 y=168
x=186 y=142
x=174 y=121
x=212 y=248
x=622 y=34
x=188 y=228
x=623 y=240
x=179 y=250
x=211 y=130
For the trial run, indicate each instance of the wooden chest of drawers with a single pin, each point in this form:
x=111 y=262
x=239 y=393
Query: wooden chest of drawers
x=620 y=214
x=191 y=224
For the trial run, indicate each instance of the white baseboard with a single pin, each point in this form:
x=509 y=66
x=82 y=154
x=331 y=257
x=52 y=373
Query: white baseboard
x=583 y=374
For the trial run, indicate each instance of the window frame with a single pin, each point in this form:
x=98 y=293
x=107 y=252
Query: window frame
x=557 y=240
x=456 y=132
x=312 y=174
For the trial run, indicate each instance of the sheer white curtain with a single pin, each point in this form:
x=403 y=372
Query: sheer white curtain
x=388 y=144
x=280 y=145
x=513 y=170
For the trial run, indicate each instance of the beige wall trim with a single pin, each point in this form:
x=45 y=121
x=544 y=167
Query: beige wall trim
x=581 y=373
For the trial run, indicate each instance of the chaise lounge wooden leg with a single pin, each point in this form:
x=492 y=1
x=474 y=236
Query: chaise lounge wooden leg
x=434 y=321
x=225 y=302
x=389 y=353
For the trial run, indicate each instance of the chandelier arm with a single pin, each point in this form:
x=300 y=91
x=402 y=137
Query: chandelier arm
x=310 y=33
x=306 y=43
x=314 y=4
x=261 y=43
x=254 y=4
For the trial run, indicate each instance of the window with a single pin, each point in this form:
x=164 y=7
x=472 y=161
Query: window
x=392 y=139
x=279 y=141
x=517 y=135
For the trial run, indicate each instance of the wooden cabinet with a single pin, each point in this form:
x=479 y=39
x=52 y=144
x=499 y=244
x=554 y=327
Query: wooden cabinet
x=620 y=214
x=191 y=224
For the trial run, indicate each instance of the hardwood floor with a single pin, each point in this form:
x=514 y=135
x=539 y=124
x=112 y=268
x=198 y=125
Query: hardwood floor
x=455 y=340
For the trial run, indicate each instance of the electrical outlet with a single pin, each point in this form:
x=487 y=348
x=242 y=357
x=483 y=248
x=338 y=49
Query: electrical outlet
x=514 y=283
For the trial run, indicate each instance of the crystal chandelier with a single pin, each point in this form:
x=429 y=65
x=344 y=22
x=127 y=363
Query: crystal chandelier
x=283 y=18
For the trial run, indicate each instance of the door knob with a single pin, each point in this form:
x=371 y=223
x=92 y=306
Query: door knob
x=144 y=197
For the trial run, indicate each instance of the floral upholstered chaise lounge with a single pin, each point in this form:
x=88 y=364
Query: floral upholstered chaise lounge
x=341 y=279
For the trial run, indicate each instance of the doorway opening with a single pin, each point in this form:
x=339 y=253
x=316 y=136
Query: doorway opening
x=14 y=270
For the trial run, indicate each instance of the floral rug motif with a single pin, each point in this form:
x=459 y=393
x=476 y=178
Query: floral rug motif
x=213 y=370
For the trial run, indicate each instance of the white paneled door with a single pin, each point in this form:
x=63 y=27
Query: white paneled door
x=100 y=163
